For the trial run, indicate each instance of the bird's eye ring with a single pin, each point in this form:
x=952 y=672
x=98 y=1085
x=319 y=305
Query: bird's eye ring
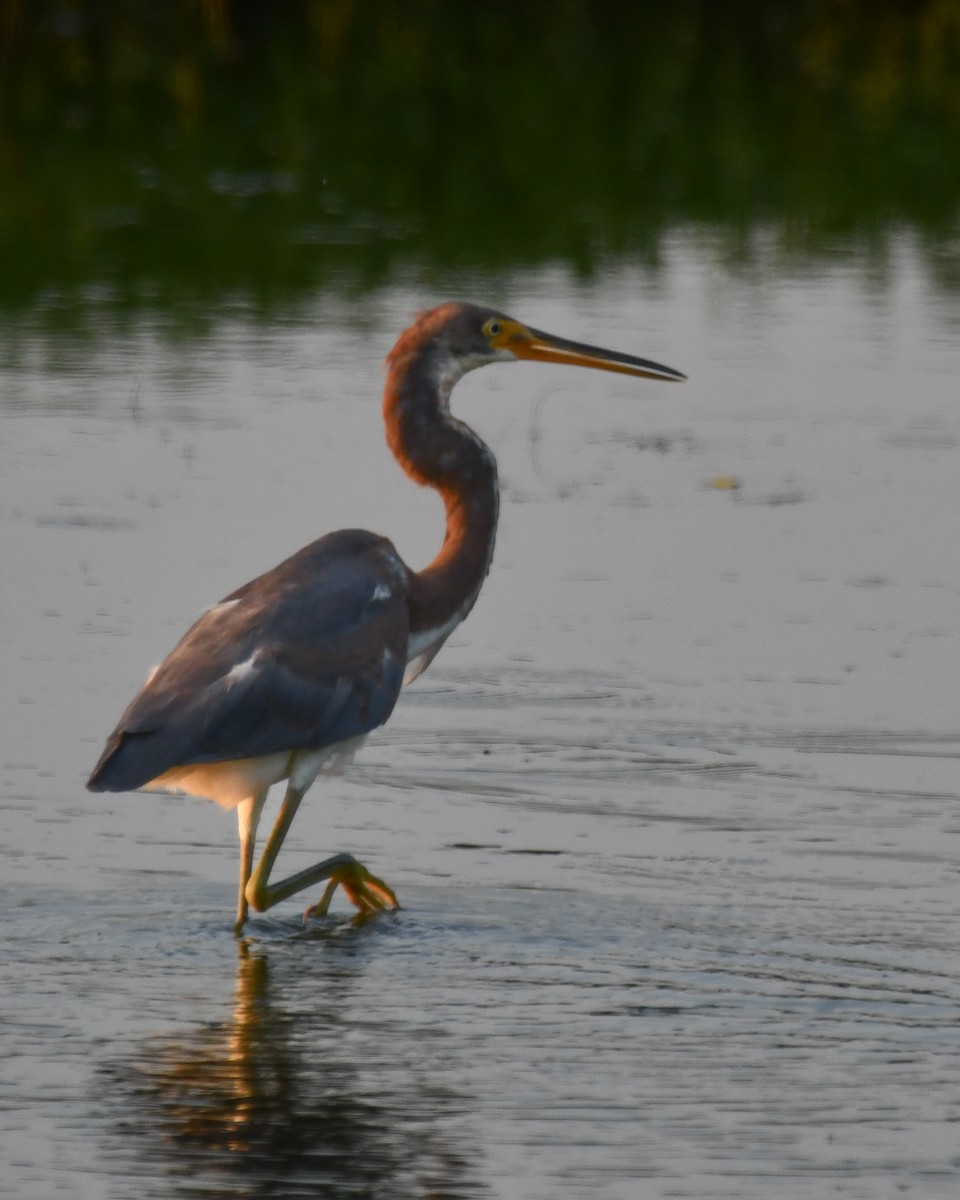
x=492 y=328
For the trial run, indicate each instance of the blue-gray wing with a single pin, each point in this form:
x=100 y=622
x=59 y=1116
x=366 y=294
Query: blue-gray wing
x=308 y=655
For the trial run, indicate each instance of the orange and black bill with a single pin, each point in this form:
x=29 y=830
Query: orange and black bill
x=526 y=343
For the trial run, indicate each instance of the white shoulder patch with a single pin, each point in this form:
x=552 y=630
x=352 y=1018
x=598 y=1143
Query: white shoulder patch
x=217 y=610
x=241 y=670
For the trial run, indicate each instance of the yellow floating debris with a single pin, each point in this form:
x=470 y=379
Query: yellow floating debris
x=725 y=483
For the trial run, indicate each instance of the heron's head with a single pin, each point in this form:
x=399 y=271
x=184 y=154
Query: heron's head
x=446 y=342
x=465 y=336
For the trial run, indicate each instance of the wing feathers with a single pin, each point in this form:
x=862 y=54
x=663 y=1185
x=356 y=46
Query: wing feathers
x=310 y=654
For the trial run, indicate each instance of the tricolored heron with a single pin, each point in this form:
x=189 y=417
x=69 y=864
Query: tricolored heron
x=285 y=677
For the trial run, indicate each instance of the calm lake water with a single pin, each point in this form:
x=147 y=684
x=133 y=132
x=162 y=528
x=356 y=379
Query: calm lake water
x=674 y=817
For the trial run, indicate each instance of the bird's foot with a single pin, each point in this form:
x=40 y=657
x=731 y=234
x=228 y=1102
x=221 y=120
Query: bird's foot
x=366 y=892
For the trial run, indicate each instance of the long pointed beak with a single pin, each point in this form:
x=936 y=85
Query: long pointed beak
x=524 y=342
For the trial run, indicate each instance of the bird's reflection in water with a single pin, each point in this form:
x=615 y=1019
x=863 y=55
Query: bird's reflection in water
x=281 y=1100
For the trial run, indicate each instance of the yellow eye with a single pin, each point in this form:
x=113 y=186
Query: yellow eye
x=492 y=328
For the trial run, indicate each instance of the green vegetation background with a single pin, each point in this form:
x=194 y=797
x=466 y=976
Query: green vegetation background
x=152 y=152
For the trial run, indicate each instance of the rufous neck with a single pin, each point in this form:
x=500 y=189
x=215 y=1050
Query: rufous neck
x=436 y=450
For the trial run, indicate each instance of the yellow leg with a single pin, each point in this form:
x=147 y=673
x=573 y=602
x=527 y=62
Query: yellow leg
x=365 y=891
x=368 y=893
x=248 y=816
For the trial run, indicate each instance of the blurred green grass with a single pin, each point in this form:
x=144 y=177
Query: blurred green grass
x=155 y=156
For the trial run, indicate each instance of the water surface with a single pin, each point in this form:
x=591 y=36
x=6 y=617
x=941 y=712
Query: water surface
x=673 y=817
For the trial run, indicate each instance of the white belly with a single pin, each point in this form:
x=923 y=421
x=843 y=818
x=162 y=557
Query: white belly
x=422 y=647
x=227 y=783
